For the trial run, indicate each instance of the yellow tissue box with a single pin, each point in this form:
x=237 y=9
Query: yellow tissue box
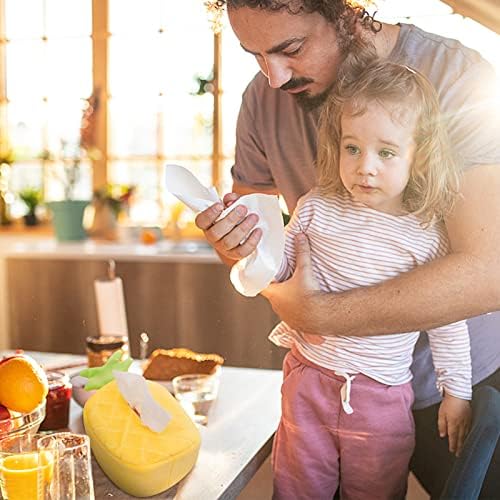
x=138 y=460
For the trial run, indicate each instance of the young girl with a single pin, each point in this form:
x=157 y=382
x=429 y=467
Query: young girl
x=386 y=181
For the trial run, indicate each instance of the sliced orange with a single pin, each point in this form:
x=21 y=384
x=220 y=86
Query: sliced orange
x=23 y=384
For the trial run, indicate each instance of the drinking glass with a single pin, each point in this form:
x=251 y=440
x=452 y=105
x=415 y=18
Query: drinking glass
x=25 y=472
x=196 y=393
x=72 y=469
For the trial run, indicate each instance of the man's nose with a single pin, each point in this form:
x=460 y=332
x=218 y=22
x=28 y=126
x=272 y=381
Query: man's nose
x=278 y=73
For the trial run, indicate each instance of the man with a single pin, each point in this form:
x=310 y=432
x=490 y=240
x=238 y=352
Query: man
x=301 y=46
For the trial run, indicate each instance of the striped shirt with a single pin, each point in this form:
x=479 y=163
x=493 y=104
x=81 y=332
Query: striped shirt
x=354 y=246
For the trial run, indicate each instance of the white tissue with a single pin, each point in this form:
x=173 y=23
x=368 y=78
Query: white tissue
x=134 y=389
x=254 y=273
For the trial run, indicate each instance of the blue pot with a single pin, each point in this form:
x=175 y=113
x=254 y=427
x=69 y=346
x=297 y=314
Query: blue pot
x=68 y=219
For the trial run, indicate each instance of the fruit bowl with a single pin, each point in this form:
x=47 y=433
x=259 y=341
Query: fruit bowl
x=22 y=423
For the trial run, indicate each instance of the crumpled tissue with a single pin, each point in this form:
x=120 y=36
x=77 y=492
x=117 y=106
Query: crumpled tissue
x=252 y=274
x=135 y=391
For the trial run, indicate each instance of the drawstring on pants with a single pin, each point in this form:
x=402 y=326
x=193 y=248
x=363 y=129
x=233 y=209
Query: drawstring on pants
x=345 y=391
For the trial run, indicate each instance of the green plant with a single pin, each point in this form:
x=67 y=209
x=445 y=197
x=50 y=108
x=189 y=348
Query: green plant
x=31 y=197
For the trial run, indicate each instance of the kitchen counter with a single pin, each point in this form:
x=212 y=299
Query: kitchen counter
x=177 y=292
x=163 y=251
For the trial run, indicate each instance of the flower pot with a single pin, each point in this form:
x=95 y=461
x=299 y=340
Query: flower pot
x=68 y=219
x=30 y=219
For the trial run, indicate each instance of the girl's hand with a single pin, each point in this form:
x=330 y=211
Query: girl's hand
x=454 y=420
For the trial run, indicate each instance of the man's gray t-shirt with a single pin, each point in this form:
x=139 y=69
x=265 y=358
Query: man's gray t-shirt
x=276 y=148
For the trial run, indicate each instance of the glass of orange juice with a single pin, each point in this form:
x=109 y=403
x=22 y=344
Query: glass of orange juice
x=25 y=472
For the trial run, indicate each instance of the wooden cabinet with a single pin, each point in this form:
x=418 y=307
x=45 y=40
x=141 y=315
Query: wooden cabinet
x=51 y=307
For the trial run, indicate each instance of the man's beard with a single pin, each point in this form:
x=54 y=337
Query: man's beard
x=305 y=100
x=310 y=102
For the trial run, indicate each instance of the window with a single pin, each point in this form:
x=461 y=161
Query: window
x=152 y=62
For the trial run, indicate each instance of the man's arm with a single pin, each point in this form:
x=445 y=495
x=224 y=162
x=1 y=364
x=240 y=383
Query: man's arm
x=463 y=284
x=227 y=234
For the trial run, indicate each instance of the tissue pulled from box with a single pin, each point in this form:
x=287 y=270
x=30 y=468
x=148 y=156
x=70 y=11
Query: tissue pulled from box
x=134 y=389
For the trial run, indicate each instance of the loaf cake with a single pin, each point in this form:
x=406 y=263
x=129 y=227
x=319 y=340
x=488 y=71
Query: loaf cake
x=165 y=364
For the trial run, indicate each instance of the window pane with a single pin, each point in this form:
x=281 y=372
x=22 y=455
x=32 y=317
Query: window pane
x=25 y=65
x=26 y=118
x=68 y=18
x=187 y=124
x=20 y=24
x=63 y=123
x=134 y=16
x=133 y=126
x=134 y=64
x=69 y=68
x=238 y=69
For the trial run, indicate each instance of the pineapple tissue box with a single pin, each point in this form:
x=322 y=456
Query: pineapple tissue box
x=140 y=435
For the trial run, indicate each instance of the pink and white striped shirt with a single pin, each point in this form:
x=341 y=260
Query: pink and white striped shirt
x=354 y=246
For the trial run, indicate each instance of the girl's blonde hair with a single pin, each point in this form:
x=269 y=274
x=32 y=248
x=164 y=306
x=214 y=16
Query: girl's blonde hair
x=433 y=185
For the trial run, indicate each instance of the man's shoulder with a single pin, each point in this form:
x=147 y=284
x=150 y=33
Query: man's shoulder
x=416 y=42
x=443 y=60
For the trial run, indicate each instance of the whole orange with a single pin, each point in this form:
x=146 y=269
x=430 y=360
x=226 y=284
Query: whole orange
x=23 y=384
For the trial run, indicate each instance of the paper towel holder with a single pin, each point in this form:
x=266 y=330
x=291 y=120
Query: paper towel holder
x=111 y=269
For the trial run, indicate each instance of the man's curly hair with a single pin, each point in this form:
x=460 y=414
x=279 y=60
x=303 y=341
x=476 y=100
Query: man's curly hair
x=343 y=14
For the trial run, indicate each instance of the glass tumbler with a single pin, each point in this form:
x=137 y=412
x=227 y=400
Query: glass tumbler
x=25 y=471
x=72 y=471
x=196 y=393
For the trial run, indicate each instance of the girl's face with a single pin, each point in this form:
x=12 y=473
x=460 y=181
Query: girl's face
x=376 y=155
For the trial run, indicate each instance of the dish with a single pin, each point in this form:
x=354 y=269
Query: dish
x=79 y=394
x=22 y=423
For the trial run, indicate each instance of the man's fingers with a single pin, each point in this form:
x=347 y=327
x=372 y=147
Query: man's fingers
x=246 y=248
x=229 y=199
x=302 y=250
x=206 y=219
x=240 y=233
x=224 y=226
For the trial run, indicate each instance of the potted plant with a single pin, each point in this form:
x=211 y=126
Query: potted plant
x=108 y=203
x=31 y=198
x=68 y=213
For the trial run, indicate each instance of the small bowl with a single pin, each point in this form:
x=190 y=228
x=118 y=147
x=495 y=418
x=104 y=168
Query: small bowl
x=22 y=423
x=79 y=394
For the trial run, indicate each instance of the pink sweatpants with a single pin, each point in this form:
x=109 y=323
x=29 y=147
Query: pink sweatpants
x=318 y=445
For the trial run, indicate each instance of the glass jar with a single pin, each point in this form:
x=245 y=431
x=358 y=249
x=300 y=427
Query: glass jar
x=100 y=349
x=58 y=401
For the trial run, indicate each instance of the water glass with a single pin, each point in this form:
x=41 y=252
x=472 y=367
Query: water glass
x=72 y=470
x=25 y=472
x=196 y=393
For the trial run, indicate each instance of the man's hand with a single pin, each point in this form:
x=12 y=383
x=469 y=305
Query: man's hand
x=292 y=300
x=234 y=236
x=454 y=421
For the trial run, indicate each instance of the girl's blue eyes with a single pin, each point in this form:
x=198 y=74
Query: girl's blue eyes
x=384 y=153
x=352 y=150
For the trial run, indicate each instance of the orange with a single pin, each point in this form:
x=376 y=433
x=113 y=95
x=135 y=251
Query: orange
x=148 y=237
x=23 y=384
